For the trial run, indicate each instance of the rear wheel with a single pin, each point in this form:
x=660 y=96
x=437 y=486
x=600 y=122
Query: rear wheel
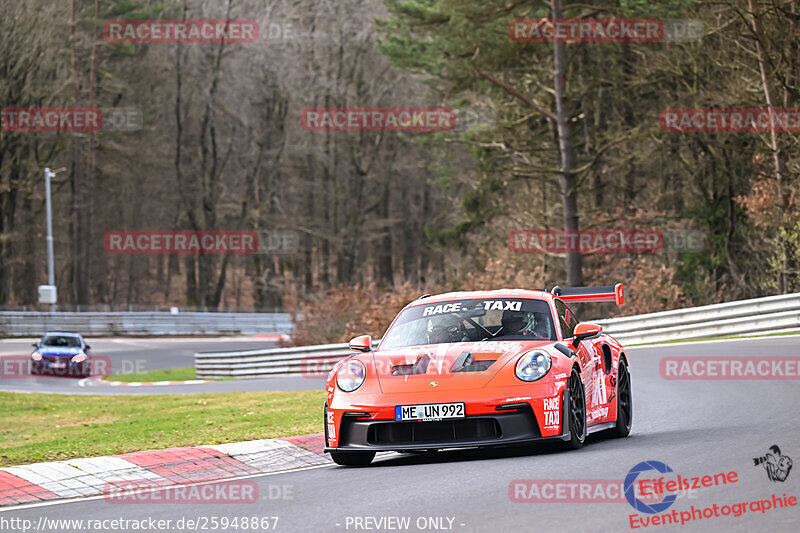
x=624 y=402
x=352 y=458
x=575 y=412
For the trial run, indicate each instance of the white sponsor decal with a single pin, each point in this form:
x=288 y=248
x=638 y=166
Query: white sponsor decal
x=498 y=305
x=551 y=403
x=599 y=395
x=517 y=399
x=600 y=412
x=442 y=308
x=496 y=347
x=488 y=305
x=551 y=413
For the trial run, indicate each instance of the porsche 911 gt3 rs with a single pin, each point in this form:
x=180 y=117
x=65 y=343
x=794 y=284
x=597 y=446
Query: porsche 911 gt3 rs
x=485 y=368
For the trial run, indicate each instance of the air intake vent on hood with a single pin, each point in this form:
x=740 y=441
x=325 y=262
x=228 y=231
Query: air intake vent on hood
x=466 y=362
x=419 y=367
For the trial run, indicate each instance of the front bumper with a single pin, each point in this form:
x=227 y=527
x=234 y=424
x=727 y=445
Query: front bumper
x=59 y=368
x=502 y=428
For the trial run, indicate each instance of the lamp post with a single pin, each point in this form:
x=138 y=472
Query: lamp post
x=47 y=294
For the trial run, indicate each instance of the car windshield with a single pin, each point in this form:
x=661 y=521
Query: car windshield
x=470 y=321
x=61 y=341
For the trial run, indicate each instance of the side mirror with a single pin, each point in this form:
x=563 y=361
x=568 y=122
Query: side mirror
x=362 y=343
x=35 y=345
x=87 y=348
x=585 y=330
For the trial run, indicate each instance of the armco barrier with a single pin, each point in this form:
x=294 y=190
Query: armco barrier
x=27 y=324
x=773 y=314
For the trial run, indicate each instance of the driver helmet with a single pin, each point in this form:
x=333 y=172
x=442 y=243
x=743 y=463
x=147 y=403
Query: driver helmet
x=443 y=329
x=515 y=322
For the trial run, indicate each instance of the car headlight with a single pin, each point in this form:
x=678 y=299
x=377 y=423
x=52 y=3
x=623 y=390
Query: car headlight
x=78 y=358
x=36 y=356
x=351 y=375
x=533 y=366
x=334 y=369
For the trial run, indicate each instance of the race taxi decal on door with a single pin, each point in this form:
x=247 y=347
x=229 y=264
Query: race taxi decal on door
x=598 y=395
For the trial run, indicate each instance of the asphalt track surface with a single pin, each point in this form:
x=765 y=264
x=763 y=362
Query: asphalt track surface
x=695 y=427
x=139 y=355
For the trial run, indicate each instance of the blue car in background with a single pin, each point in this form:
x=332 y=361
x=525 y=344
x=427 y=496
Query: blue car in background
x=61 y=354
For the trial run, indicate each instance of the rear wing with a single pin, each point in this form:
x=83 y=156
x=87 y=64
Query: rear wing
x=610 y=293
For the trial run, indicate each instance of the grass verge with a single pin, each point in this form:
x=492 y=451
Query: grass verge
x=167 y=374
x=52 y=427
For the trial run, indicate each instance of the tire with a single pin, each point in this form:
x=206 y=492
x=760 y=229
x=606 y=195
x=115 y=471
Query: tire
x=575 y=412
x=352 y=458
x=624 y=402
x=84 y=370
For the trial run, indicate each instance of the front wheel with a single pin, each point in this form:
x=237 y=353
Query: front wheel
x=84 y=370
x=575 y=412
x=352 y=458
x=624 y=402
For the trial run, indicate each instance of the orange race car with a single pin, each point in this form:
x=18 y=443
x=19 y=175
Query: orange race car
x=483 y=368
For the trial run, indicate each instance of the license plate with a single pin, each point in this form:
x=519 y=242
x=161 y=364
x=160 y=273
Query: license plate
x=429 y=411
x=58 y=364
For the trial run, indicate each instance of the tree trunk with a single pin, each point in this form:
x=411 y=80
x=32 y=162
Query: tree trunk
x=567 y=181
x=78 y=249
x=775 y=146
x=91 y=166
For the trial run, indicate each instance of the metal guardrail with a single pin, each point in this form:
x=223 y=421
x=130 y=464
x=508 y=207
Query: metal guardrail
x=773 y=314
x=310 y=361
x=27 y=324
